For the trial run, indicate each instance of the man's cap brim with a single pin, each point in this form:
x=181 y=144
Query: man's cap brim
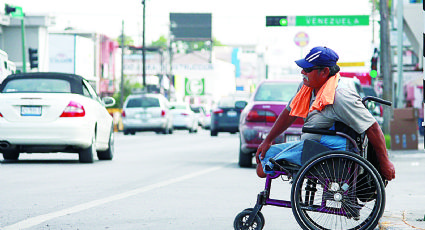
x=304 y=64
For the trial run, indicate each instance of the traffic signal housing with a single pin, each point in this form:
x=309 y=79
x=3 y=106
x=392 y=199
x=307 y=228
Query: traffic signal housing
x=9 y=9
x=276 y=21
x=33 y=57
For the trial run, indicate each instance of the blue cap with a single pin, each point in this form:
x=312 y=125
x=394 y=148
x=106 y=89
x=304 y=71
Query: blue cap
x=319 y=56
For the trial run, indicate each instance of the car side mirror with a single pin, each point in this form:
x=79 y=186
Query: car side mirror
x=108 y=101
x=240 y=104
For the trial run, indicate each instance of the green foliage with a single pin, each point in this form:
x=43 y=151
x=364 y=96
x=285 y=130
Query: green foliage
x=128 y=41
x=388 y=141
x=161 y=42
x=128 y=88
x=188 y=45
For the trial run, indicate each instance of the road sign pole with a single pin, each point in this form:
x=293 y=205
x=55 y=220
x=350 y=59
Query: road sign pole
x=24 y=64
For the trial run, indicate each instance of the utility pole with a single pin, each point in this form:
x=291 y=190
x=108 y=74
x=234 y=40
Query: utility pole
x=122 y=67
x=143 y=46
x=385 y=63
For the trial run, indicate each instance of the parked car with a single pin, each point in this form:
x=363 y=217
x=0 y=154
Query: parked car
x=199 y=111
x=260 y=113
x=183 y=117
x=147 y=112
x=54 y=112
x=225 y=117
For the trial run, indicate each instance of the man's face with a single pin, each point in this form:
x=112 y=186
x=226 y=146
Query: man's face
x=315 y=77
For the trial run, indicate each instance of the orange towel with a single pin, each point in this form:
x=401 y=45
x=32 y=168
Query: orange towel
x=300 y=105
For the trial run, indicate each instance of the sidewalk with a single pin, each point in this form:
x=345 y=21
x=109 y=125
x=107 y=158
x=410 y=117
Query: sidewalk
x=403 y=220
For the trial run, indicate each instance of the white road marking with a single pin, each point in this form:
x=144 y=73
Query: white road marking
x=81 y=207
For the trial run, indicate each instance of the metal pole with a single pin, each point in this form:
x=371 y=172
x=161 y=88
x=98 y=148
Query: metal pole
x=143 y=46
x=24 y=59
x=385 y=64
x=400 y=95
x=122 y=67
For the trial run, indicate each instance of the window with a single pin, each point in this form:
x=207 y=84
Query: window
x=276 y=91
x=143 y=102
x=37 y=85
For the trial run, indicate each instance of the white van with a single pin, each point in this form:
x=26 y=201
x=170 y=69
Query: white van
x=7 y=67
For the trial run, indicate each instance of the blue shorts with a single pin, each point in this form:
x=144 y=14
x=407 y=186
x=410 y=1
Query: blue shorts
x=291 y=151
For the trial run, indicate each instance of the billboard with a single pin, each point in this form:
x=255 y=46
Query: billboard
x=191 y=26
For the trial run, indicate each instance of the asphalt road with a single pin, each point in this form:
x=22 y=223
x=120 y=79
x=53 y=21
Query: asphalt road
x=179 y=181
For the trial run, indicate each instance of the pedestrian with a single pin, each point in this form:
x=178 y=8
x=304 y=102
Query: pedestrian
x=322 y=101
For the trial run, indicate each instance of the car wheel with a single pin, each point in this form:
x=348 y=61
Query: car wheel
x=171 y=130
x=126 y=132
x=108 y=154
x=214 y=133
x=245 y=159
x=86 y=155
x=11 y=154
x=133 y=132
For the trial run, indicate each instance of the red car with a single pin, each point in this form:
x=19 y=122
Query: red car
x=260 y=113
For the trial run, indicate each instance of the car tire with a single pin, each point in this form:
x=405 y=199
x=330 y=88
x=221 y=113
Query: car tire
x=245 y=159
x=86 y=155
x=214 y=133
x=126 y=132
x=108 y=154
x=171 y=130
x=11 y=154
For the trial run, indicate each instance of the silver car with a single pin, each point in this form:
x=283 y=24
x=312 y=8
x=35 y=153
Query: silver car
x=147 y=112
x=184 y=117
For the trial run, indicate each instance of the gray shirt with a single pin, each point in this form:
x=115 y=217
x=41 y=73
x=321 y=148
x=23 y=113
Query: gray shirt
x=347 y=108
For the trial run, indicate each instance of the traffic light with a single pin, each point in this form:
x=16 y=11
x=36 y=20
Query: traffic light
x=33 y=56
x=374 y=64
x=9 y=9
x=276 y=21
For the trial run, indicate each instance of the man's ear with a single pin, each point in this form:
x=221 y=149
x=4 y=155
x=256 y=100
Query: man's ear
x=326 y=71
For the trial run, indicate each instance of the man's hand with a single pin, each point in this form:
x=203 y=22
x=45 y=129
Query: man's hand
x=262 y=149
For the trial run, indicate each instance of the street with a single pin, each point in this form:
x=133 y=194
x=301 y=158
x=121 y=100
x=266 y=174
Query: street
x=178 y=181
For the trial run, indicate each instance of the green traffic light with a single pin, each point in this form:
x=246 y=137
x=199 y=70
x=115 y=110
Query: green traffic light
x=283 y=22
x=373 y=73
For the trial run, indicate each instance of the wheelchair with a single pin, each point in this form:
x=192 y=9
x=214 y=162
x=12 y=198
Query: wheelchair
x=331 y=190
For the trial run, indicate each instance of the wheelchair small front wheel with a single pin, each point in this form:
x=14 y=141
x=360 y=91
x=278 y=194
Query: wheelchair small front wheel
x=338 y=190
x=241 y=221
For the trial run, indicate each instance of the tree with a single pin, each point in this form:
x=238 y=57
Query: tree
x=161 y=42
x=127 y=40
x=128 y=88
x=187 y=45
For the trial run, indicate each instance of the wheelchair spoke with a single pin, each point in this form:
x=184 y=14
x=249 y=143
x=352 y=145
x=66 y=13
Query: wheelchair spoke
x=334 y=192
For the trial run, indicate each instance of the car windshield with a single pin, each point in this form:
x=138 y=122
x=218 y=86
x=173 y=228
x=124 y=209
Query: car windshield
x=179 y=106
x=276 y=91
x=37 y=85
x=143 y=102
x=196 y=109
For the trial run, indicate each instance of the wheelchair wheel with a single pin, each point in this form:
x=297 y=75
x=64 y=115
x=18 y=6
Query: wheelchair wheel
x=338 y=190
x=241 y=219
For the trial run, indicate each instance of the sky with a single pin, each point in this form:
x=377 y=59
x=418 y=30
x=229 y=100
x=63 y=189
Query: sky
x=234 y=22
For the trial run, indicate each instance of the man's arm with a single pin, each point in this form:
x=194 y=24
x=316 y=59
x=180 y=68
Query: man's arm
x=376 y=138
x=281 y=124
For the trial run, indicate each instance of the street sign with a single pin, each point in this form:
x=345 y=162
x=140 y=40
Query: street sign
x=194 y=87
x=327 y=20
x=301 y=39
x=320 y=20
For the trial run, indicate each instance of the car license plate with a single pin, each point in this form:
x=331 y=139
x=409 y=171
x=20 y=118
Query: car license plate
x=232 y=113
x=292 y=138
x=30 y=110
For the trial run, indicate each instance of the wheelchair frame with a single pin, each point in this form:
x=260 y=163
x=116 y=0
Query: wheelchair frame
x=338 y=189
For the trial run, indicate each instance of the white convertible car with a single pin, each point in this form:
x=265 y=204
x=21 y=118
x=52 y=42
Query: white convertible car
x=54 y=112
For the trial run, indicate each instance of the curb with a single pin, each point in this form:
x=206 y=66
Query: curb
x=401 y=221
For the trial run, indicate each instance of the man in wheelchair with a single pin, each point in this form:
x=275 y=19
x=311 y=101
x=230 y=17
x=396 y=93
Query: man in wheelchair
x=322 y=101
